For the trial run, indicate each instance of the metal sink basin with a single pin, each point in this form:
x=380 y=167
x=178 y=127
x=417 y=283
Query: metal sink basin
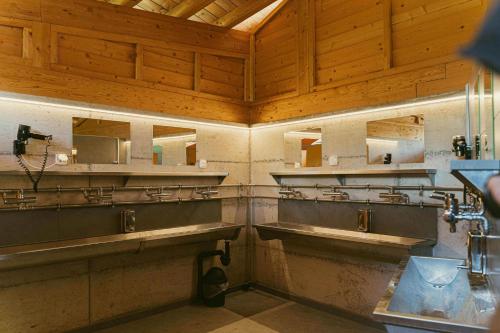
x=50 y=252
x=434 y=295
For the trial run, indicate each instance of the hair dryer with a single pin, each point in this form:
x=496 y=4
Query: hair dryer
x=23 y=134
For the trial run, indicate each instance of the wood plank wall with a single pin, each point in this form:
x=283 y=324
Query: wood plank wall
x=371 y=53
x=90 y=51
x=312 y=57
x=276 y=54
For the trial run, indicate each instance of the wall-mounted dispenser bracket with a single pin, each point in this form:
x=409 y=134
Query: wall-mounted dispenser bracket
x=475 y=173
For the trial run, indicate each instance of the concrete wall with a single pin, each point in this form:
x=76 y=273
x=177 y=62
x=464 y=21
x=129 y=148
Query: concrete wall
x=98 y=289
x=59 y=297
x=353 y=283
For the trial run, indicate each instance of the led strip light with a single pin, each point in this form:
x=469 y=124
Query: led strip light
x=235 y=126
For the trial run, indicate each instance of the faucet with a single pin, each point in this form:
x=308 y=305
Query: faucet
x=454 y=212
x=20 y=200
x=395 y=197
x=97 y=195
x=206 y=193
x=476 y=239
x=289 y=192
x=159 y=194
x=336 y=195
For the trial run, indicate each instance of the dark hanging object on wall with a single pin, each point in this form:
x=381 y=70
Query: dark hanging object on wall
x=486 y=47
x=460 y=147
x=213 y=285
x=388 y=158
x=23 y=135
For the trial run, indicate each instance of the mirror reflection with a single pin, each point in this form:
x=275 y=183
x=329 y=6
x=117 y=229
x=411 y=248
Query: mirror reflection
x=174 y=146
x=98 y=141
x=396 y=140
x=303 y=149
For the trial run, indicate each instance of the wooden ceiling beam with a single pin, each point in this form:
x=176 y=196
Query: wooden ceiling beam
x=126 y=3
x=241 y=13
x=188 y=8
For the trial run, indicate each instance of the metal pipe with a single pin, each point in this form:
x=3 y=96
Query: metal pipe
x=181 y=200
x=60 y=189
x=367 y=202
x=114 y=203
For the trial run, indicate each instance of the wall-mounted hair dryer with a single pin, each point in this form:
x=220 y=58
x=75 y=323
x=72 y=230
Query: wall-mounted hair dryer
x=23 y=134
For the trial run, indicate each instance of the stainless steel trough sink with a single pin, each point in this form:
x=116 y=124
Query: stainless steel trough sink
x=50 y=252
x=434 y=295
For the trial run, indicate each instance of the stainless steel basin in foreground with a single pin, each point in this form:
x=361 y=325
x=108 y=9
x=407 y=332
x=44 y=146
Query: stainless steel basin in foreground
x=49 y=252
x=433 y=295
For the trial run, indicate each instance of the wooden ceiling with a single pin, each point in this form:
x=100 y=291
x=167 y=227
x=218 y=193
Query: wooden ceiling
x=242 y=15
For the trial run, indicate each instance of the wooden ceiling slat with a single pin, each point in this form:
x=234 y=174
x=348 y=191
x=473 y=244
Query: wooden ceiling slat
x=188 y=8
x=127 y=3
x=224 y=13
x=243 y=12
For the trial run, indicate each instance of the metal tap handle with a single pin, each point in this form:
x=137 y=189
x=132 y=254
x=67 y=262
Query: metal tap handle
x=442 y=195
x=437 y=197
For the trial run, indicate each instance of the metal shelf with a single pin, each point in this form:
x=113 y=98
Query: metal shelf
x=126 y=174
x=342 y=174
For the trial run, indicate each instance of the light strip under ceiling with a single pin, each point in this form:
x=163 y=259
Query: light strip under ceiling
x=239 y=127
x=121 y=113
x=362 y=112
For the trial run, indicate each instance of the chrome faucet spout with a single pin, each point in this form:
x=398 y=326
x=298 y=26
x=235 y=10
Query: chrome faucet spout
x=455 y=212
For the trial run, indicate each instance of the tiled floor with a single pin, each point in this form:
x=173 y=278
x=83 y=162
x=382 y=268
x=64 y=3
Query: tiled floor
x=245 y=312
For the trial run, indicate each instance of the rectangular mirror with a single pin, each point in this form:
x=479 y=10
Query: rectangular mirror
x=303 y=149
x=174 y=146
x=97 y=141
x=396 y=140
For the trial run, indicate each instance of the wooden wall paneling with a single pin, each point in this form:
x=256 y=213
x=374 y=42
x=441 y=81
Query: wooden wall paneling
x=42 y=82
x=170 y=67
x=250 y=72
x=27 y=47
x=197 y=71
x=441 y=30
x=276 y=54
x=41 y=39
x=21 y=9
x=94 y=55
x=387 y=17
x=89 y=14
x=106 y=62
x=268 y=17
x=223 y=76
x=139 y=62
x=350 y=44
x=305 y=48
x=457 y=75
x=16 y=45
x=388 y=89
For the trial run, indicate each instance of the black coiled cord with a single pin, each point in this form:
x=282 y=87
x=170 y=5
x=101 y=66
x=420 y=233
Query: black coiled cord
x=34 y=180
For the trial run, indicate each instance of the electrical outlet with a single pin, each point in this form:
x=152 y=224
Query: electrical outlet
x=203 y=164
x=333 y=160
x=61 y=159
